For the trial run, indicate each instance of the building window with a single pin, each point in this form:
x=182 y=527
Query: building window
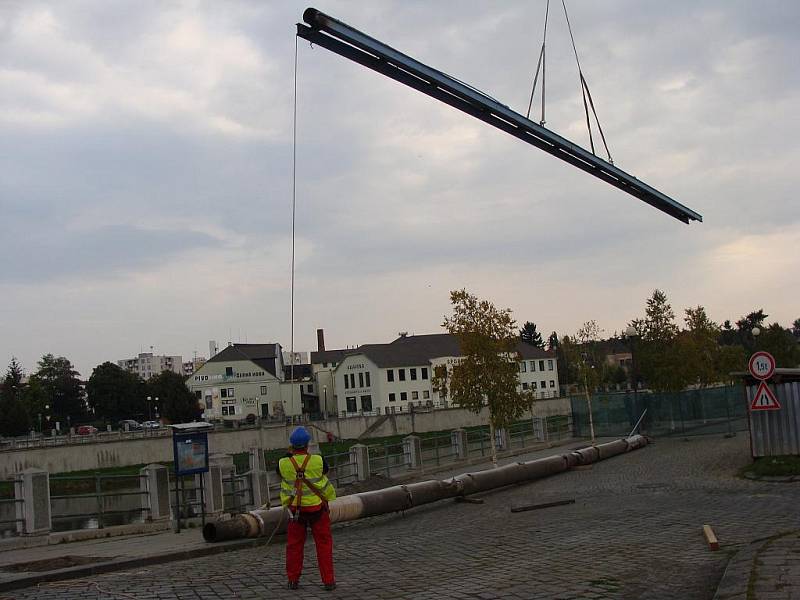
x=426 y=394
x=225 y=410
x=346 y=381
x=352 y=380
x=415 y=395
x=541 y=365
x=223 y=393
x=351 y=403
x=324 y=365
x=263 y=390
x=361 y=380
x=391 y=398
x=198 y=394
x=424 y=372
x=522 y=367
x=524 y=386
x=403 y=396
x=550 y=364
x=533 y=385
x=310 y=388
x=209 y=403
x=368 y=382
x=366 y=403
x=413 y=373
x=533 y=366
x=390 y=375
x=230 y=392
x=228 y=371
x=231 y=410
x=552 y=383
x=402 y=373
x=544 y=384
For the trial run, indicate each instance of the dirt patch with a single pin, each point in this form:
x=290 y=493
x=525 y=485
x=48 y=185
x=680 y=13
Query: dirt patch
x=53 y=564
x=375 y=482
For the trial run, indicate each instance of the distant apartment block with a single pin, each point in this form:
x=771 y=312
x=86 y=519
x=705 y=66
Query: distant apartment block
x=189 y=367
x=147 y=364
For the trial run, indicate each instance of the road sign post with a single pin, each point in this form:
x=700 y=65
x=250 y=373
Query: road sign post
x=762 y=366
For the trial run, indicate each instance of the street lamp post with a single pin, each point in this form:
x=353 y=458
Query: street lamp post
x=149 y=411
x=756 y=332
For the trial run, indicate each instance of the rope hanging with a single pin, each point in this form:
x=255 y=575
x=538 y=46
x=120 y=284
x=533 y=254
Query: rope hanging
x=540 y=65
x=585 y=92
x=294 y=204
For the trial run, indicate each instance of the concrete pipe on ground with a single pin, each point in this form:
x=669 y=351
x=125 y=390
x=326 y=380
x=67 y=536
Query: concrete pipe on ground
x=268 y=522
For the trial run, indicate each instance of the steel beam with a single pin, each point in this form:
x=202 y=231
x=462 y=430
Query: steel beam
x=340 y=38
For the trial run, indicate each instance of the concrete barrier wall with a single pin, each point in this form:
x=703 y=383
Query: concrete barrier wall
x=120 y=453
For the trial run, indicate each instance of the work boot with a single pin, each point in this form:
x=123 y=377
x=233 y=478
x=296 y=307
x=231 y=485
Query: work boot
x=293 y=585
x=329 y=587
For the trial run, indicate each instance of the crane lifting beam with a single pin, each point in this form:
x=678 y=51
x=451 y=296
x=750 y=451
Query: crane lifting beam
x=350 y=43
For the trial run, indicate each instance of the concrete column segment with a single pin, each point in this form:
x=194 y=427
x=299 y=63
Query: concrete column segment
x=258 y=478
x=213 y=490
x=412 y=451
x=155 y=483
x=32 y=486
x=359 y=459
x=458 y=438
x=501 y=439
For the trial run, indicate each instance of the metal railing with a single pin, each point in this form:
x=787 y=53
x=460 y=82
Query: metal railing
x=435 y=449
x=100 y=496
x=341 y=468
x=9 y=505
x=387 y=456
x=237 y=492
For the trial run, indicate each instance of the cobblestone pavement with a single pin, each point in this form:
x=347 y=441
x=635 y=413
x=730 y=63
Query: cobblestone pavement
x=635 y=531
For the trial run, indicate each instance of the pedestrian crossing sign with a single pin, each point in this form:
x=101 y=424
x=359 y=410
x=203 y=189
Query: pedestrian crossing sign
x=764 y=399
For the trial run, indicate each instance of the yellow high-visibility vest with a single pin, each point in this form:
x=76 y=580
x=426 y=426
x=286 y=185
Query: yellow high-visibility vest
x=313 y=474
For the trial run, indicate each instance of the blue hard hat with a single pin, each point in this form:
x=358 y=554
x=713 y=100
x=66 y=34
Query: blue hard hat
x=300 y=437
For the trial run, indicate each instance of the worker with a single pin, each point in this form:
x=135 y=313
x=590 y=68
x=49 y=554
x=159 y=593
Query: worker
x=306 y=492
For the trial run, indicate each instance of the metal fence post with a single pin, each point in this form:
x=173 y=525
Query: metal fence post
x=98 y=491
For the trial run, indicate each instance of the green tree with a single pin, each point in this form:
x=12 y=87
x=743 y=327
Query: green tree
x=781 y=344
x=583 y=353
x=176 y=403
x=14 y=419
x=488 y=373
x=530 y=335
x=36 y=402
x=62 y=387
x=699 y=347
x=659 y=351
x=796 y=328
x=114 y=393
x=552 y=342
x=745 y=326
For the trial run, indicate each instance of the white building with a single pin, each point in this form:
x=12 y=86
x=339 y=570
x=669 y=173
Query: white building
x=240 y=380
x=384 y=378
x=252 y=379
x=146 y=365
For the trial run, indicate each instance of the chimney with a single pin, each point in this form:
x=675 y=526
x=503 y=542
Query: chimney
x=320 y=340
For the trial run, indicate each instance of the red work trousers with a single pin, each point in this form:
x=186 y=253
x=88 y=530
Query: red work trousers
x=320 y=523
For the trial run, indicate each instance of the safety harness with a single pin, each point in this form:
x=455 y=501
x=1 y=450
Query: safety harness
x=299 y=481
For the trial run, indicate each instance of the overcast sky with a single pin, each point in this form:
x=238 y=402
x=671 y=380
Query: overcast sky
x=145 y=171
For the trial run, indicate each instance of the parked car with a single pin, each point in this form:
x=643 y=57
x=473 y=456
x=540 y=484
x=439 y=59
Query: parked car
x=130 y=425
x=151 y=425
x=86 y=430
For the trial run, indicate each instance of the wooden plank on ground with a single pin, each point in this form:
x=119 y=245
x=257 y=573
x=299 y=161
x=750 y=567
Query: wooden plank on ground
x=711 y=539
x=544 y=505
